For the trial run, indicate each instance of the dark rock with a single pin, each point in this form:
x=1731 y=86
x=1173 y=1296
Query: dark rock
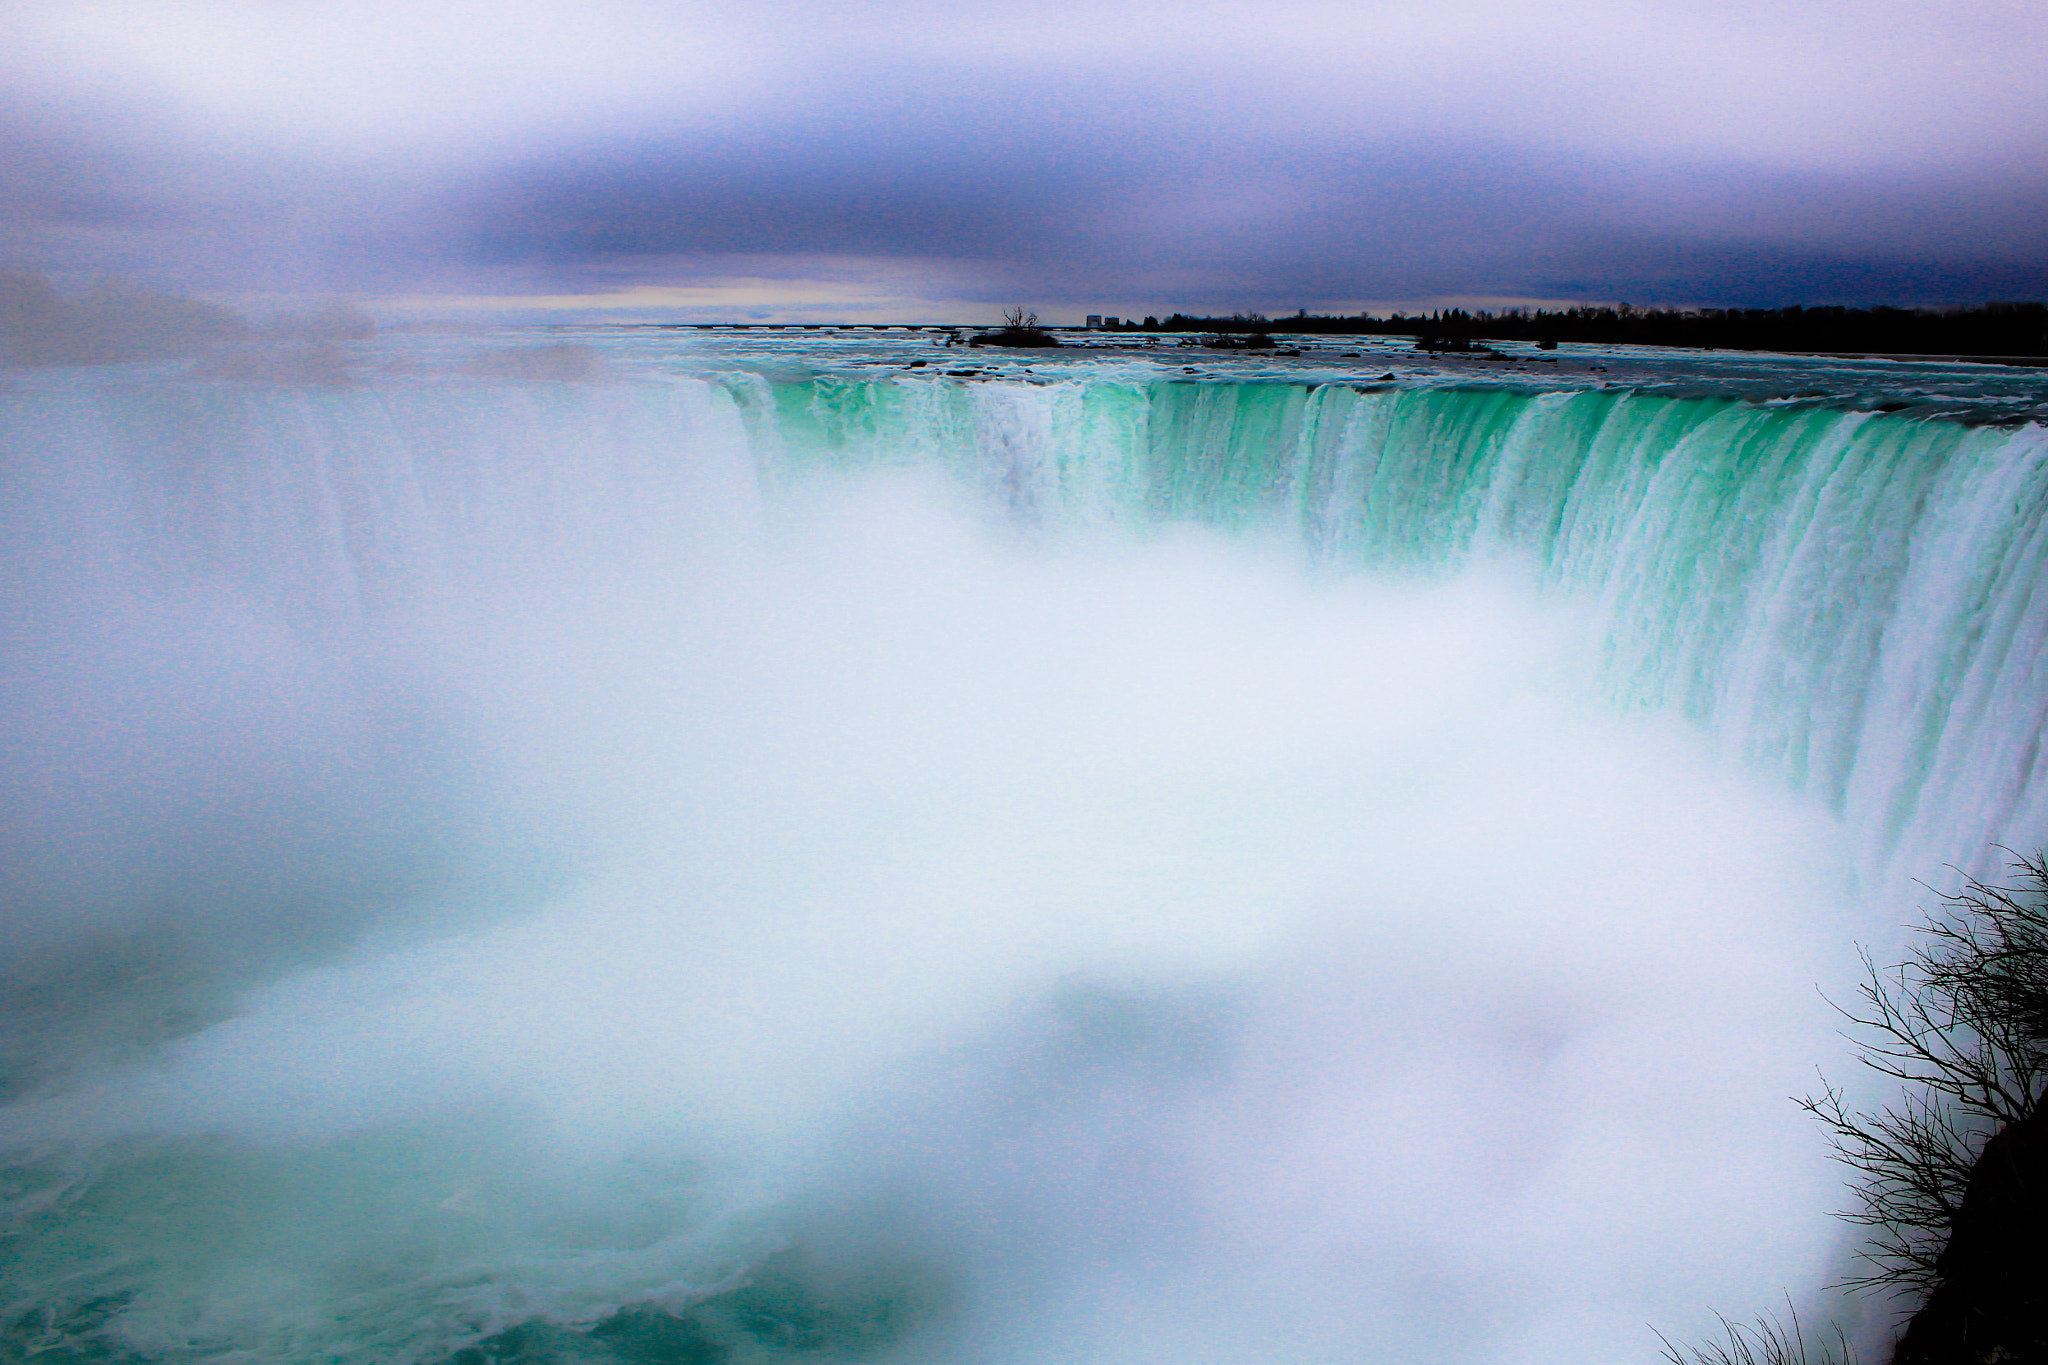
x=1023 y=339
x=1992 y=1302
x=1019 y=329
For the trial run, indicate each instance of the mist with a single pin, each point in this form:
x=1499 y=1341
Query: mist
x=605 y=882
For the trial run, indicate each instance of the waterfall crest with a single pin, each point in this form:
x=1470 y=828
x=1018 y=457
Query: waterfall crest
x=1852 y=600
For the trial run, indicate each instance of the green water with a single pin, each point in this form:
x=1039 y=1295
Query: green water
x=1852 y=600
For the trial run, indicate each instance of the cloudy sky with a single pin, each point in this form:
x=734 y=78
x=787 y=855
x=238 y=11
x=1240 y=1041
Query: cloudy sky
x=920 y=161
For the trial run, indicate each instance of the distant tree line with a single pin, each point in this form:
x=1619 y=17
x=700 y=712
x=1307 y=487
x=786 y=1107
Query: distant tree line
x=2001 y=329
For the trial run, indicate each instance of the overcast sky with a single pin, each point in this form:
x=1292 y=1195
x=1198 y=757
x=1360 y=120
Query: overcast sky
x=918 y=161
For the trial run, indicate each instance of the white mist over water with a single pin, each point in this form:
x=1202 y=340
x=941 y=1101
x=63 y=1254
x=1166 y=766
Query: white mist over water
x=1030 y=943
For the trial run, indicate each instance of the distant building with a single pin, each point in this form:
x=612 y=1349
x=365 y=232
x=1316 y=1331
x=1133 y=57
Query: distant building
x=1094 y=320
x=1112 y=322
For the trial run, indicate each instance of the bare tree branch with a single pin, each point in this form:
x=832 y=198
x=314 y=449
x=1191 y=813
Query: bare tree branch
x=1963 y=1022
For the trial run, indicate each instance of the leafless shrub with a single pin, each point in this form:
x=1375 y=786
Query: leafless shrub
x=1963 y=1022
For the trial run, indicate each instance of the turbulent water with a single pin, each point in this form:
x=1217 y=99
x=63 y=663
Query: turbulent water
x=627 y=846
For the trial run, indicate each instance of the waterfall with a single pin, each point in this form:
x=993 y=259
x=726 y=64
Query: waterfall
x=740 y=866
x=1851 y=600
